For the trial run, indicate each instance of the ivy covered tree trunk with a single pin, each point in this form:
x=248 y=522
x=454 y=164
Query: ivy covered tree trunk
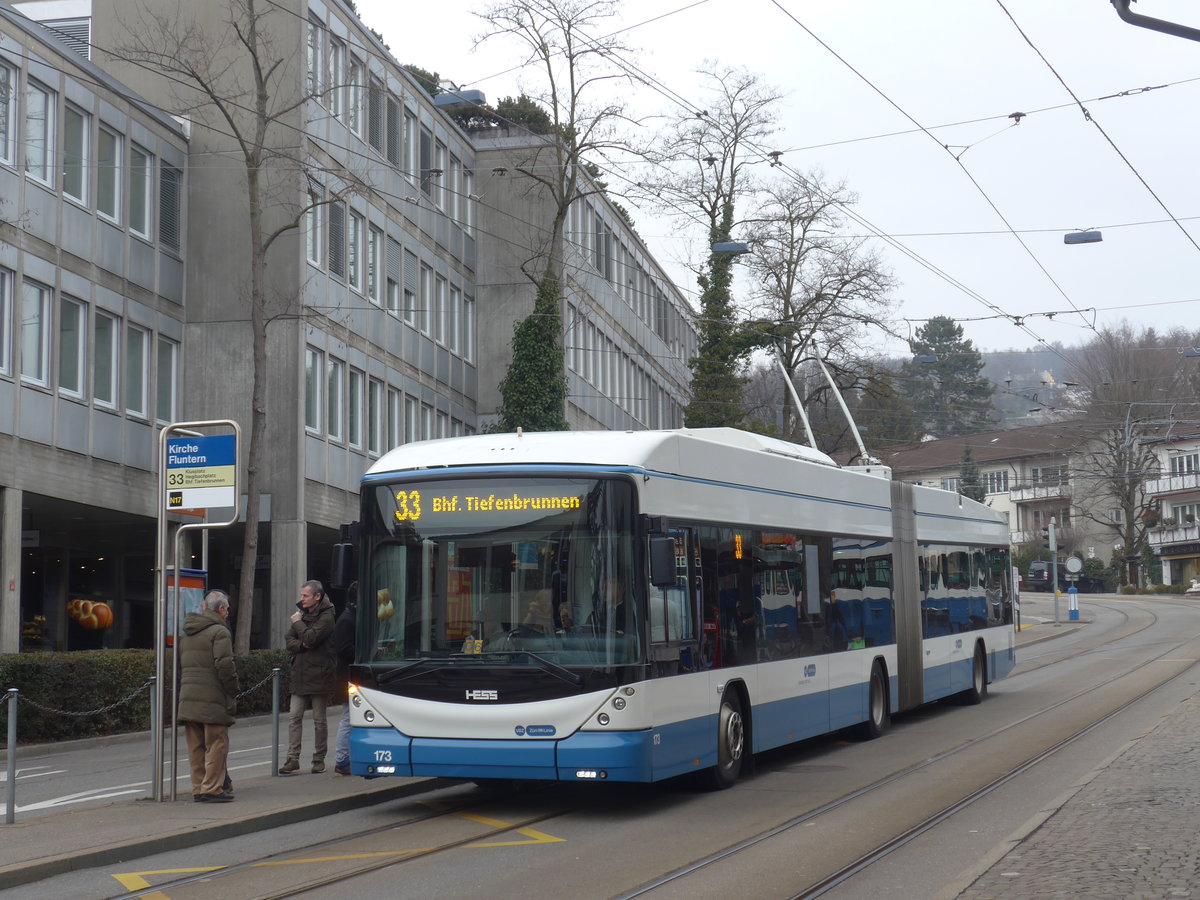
x=534 y=391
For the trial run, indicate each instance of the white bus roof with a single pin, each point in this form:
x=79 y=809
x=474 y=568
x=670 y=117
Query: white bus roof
x=664 y=451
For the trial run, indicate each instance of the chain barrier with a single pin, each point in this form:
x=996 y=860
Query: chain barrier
x=91 y=712
x=251 y=690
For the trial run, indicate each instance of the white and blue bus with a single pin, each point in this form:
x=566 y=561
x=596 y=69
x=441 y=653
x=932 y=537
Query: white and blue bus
x=634 y=606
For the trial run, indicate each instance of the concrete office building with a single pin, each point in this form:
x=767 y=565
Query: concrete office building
x=374 y=337
x=92 y=250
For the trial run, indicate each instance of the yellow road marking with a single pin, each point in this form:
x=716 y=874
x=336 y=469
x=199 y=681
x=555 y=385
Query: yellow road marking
x=137 y=881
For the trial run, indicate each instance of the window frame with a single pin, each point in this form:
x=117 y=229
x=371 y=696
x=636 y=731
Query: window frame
x=166 y=353
x=39 y=326
x=9 y=77
x=44 y=172
x=109 y=172
x=7 y=279
x=135 y=371
x=106 y=351
x=72 y=348
x=355 y=407
x=334 y=376
x=375 y=264
x=355 y=251
x=76 y=169
x=314 y=389
x=141 y=207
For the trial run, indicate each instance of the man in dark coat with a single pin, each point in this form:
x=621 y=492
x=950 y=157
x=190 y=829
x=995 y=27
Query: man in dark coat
x=313 y=677
x=208 y=688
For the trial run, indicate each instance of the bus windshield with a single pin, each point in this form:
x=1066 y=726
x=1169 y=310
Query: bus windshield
x=507 y=571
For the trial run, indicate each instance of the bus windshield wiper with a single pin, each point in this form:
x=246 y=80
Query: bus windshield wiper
x=392 y=674
x=552 y=667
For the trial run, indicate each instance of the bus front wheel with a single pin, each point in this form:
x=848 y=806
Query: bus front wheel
x=731 y=742
x=978 y=689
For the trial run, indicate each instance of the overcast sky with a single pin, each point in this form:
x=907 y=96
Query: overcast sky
x=869 y=70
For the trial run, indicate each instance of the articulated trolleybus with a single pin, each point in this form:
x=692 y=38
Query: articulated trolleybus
x=636 y=606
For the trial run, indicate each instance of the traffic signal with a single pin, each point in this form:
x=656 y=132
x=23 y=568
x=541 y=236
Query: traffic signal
x=1046 y=537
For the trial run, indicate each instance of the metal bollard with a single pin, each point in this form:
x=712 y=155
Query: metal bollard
x=153 y=739
x=276 y=683
x=10 y=809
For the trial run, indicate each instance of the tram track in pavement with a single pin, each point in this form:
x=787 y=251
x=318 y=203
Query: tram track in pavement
x=848 y=870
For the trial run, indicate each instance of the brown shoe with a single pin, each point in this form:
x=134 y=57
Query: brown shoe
x=318 y=766
x=292 y=765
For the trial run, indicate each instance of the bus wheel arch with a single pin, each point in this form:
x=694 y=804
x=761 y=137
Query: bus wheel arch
x=733 y=737
x=879 y=706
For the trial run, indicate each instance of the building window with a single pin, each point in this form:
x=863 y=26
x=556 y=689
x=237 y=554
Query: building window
x=355 y=250
x=375 y=115
x=374 y=417
x=337 y=77
x=426 y=422
x=410 y=420
x=6 y=288
x=410 y=145
x=394 y=423
x=374 y=265
x=425 y=308
x=136 y=346
x=337 y=239
x=8 y=84
x=39 y=132
x=439 y=175
x=1184 y=513
x=996 y=482
x=313 y=370
x=75 y=153
x=410 y=288
x=333 y=399
x=1185 y=463
x=355 y=95
x=468 y=201
x=354 y=411
x=35 y=332
x=439 y=310
x=108 y=174
x=140 y=165
x=425 y=153
x=394 y=140
x=166 y=368
x=393 y=276
x=72 y=327
x=170 y=211
x=468 y=329
x=950 y=484
x=104 y=360
x=455 y=316
x=315 y=40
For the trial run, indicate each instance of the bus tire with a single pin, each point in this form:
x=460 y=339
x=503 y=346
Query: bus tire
x=731 y=742
x=878 y=706
x=978 y=690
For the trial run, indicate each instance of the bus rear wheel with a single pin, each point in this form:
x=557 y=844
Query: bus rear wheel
x=731 y=742
x=978 y=689
x=878 y=715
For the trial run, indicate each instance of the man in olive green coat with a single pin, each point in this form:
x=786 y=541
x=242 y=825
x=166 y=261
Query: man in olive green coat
x=314 y=671
x=208 y=688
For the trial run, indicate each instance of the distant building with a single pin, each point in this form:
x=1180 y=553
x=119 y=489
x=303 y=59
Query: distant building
x=1175 y=493
x=1031 y=475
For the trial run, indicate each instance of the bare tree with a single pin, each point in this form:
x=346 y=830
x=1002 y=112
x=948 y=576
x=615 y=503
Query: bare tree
x=1135 y=390
x=815 y=290
x=247 y=89
x=558 y=38
x=709 y=155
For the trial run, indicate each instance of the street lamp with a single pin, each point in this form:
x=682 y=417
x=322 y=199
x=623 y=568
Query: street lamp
x=1082 y=236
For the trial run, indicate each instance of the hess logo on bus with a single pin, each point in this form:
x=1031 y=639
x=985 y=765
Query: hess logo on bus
x=483 y=695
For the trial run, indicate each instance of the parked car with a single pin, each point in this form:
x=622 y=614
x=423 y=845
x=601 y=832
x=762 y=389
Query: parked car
x=1038 y=579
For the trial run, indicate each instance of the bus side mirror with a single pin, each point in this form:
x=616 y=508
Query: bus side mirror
x=342 y=566
x=662 y=562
